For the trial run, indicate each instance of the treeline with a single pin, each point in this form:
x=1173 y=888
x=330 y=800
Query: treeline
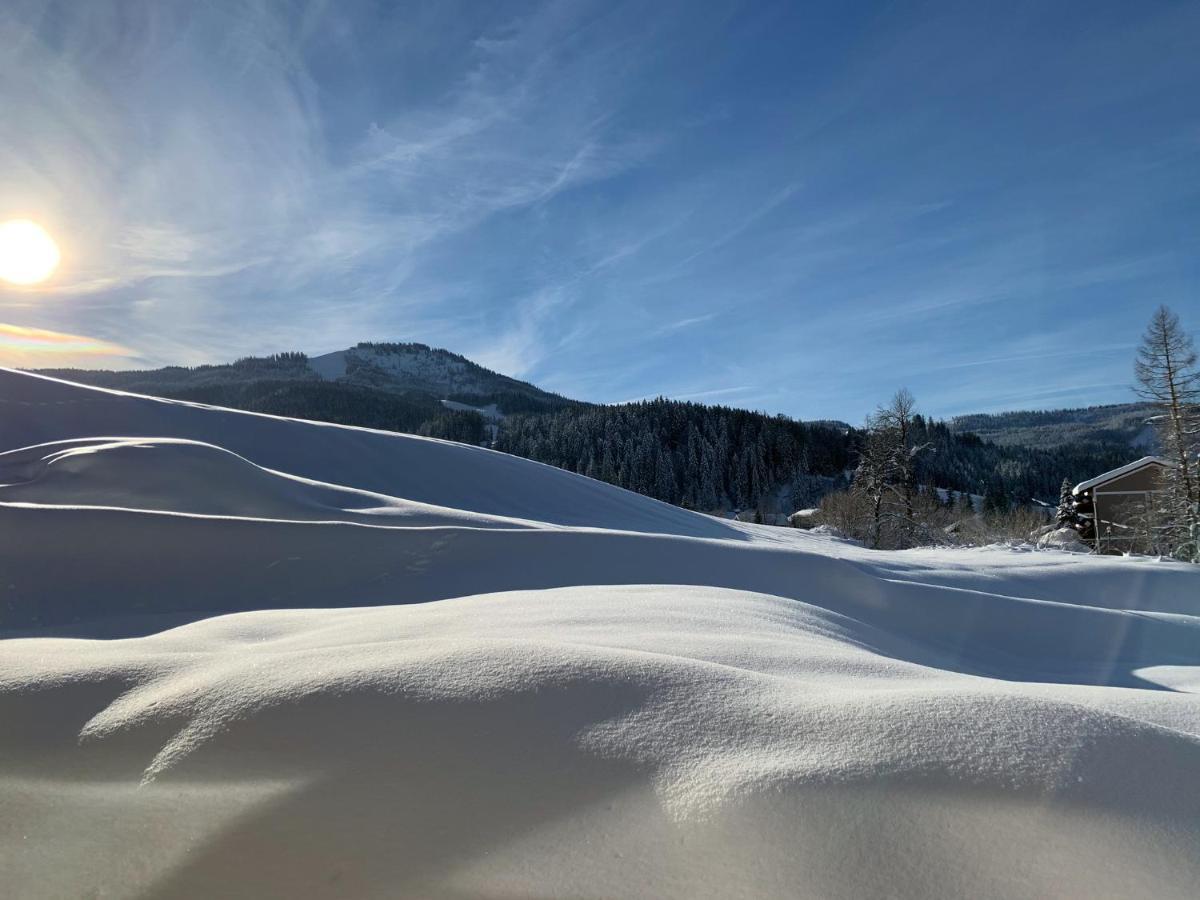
x=512 y=402
x=712 y=457
x=895 y=500
x=277 y=366
x=1037 y=418
x=331 y=401
x=699 y=457
x=463 y=426
x=1123 y=425
x=1006 y=475
x=509 y=394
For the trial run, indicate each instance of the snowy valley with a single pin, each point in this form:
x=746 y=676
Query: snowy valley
x=711 y=450
x=246 y=655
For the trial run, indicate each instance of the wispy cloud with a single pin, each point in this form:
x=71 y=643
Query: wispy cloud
x=688 y=394
x=191 y=149
x=764 y=209
x=713 y=392
x=614 y=198
x=23 y=347
x=688 y=322
x=521 y=342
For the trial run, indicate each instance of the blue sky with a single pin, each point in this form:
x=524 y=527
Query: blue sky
x=795 y=207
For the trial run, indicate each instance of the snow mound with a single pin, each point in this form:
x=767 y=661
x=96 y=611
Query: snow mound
x=451 y=673
x=38 y=410
x=172 y=475
x=623 y=742
x=1067 y=539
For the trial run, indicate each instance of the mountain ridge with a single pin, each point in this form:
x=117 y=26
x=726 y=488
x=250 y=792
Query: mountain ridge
x=705 y=457
x=1119 y=423
x=395 y=367
x=407 y=366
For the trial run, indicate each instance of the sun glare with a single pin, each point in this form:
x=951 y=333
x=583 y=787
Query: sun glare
x=28 y=254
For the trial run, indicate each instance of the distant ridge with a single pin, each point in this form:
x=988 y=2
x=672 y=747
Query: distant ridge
x=1118 y=424
x=710 y=458
x=399 y=368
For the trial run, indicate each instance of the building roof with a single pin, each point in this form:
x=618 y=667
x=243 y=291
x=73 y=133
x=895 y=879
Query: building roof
x=1118 y=472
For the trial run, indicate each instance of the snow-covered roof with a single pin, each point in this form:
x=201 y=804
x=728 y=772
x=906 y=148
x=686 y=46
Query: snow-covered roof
x=1118 y=472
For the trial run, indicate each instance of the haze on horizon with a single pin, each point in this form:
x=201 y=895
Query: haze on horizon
x=789 y=207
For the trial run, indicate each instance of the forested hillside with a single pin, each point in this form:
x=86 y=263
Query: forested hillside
x=700 y=457
x=709 y=457
x=967 y=462
x=410 y=366
x=408 y=369
x=1121 y=424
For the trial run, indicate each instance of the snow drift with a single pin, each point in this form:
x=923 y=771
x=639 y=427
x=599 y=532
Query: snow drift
x=37 y=410
x=586 y=693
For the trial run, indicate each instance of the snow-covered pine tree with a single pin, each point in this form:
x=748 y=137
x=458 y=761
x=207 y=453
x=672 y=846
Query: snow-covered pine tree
x=1065 y=515
x=664 y=477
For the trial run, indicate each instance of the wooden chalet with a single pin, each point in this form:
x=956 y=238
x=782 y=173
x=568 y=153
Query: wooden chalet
x=1111 y=504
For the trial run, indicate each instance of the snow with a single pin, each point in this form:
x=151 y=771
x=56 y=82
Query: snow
x=446 y=672
x=418 y=367
x=1118 y=472
x=37 y=410
x=804 y=518
x=407 y=368
x=411 y=362
x=330 y=366
x=1065 y=538
x=491 y=411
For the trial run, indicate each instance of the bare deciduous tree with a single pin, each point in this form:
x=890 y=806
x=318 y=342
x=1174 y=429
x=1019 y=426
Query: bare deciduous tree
x=886 y=473
x=1167 y=376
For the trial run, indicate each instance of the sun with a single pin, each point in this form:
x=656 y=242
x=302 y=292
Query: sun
x=28 y=254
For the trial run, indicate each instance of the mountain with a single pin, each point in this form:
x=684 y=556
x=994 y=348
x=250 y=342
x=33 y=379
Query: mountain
x=409 y=367
x=1121 y=424
x=405 y=369
x=405 y=387
x=710 y=458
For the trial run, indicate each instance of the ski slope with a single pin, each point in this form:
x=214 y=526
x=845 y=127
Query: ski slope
x=251 y=656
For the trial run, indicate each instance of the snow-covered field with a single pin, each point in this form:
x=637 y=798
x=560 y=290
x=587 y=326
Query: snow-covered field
x=446 y=672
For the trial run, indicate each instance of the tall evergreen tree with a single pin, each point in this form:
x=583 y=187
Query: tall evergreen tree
x=1065 y=515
